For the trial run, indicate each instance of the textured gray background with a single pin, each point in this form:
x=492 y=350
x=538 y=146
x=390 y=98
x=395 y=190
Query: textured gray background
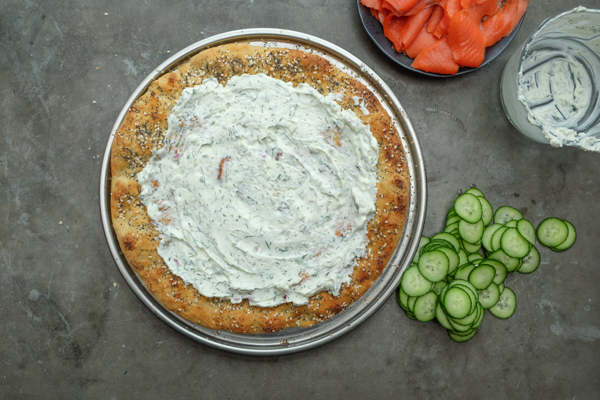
x=72 y=328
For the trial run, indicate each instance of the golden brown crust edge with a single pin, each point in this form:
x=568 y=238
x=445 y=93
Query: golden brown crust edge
x=142 y=130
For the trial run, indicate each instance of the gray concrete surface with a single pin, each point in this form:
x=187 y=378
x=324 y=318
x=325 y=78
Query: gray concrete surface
x=72 y=328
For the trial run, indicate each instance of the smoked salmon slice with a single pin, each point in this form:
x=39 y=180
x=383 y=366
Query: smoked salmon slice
x=504 y=21
x=383 y=13
x=401 y=7
x=420 y=6
x=451 y=7
x=423 y=40
x=436 y=58
x=413 y=26
x=374 y=13
x=392 y=29
x=466 y=40
x=372 y=4
x=390 y=8
x=436 y=16
x=477 y=9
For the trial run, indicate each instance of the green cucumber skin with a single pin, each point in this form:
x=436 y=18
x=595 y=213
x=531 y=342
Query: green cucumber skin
x=548 y=232
x=569 y=241
x=507 y=213
x=475 y=192
x=468 y=208
x=498 y=310
x=514 y=244
x=461 y=339
x=489 y=303
x=422 y=304
x=525 y=267
x=417 y=287
x=527 y=230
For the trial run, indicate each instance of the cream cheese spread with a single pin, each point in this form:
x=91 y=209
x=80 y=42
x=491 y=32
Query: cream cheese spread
x=262 y=191
x=559 y=80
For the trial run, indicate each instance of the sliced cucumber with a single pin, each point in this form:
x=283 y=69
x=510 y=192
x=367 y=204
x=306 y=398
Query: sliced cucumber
x=451 y=227
x=475 y=192
x=414 y=284
x=403 y=299
x=435 y=244
x=514 y=244
x=410 y=314
x=497 y=238
x=424 y=308
x=449 y=238
x=460 y=338
x=464 y=271
x=489 y=297
x=505 y=214
x=526 y=230
x=511 y=224
x=571 y=237
x=441 y=316
x=463 y=257
x=552 y=232
x=475 y=257
x=471 y=233
x=433 y=265
x=457 y=302
x=466 y=333
x=500 y=268
x=437 y=288
x=506 y=306
x=459 y=327
x=531 y=262
x=501 y=288
x=482 y=276
x=481 y=310
x=469 y=320
x=453 y=219
x=468 y=208
x=470 y=289
x=411 y=303
x=511 y=263
x=486 y=239
x=422 y=242
x=487 y=212
x=469 y=247
x=453 y=259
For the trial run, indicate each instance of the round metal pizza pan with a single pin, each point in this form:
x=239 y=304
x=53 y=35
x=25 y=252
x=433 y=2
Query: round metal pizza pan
x=291 y=340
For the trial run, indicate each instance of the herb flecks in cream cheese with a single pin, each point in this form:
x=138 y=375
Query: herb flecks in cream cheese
x=262 y=191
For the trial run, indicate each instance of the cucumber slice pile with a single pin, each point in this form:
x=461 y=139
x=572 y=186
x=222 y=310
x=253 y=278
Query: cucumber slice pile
x=451 y=281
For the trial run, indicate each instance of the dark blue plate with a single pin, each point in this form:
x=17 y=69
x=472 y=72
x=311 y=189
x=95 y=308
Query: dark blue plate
x=375 y=31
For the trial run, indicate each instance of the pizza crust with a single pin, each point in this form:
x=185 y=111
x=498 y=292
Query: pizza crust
x=142 y=131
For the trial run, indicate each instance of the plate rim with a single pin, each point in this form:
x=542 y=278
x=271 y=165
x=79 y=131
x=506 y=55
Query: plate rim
x=279 y=343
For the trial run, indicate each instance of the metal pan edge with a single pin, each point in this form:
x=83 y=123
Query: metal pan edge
x=291 y=340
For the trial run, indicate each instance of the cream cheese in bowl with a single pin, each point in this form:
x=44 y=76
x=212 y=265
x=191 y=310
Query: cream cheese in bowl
x=262 y=191
x=557 y=82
